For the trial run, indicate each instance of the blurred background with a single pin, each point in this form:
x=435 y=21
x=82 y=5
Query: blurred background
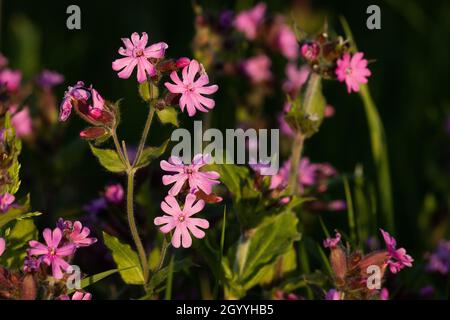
x=410 y=86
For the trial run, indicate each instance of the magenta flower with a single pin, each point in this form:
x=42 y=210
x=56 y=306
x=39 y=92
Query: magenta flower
x=79 y=235
x=181 y=220
x=2 y=246
x=21 y=121
x=287 y=42
x=398 y=259
x=332 y=242
x=88 y=101
x=333 y=294
x=280 y=180
x=190 y=173
x=384 y=294
x=310 y=51
x=296 y=78
x=258 y=68
x=182 y=62
x=249 y=20
x=114 y=193
x=138 y=54
x=192 y=89
x=78 y=295
x=352 y=70
x=47 y=79
x=10 y=79
x=52 y=254
x=6 y=200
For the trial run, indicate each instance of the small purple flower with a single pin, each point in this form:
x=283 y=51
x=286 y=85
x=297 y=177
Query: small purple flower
x=333 y=294
x=47 y=79
x=114 y=193
x=96 y=205
x=398 y=259
x=332 y=242
x=439 y=260
x=226 y=19
x=6 y=200
x=31 y=264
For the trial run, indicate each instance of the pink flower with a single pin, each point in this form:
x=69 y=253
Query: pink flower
x=398 y=259
x=89 y=102
x=310 y=51
x=333 y=294
x=21 y=121
x=51 y=253
x=384 y=294
x=78 y=295
x=190 y=173
x=280 y=180
x=6 y=200
x=10 y=79
x=332 y=242
x=79 y=235
x=2 y=246
x=352 y=70
x=287 y=42
x=114 y=193
x=249 y=20
x=296 y=78
x=181 y=220
x=329 y=111
x=138 y=54
x=258 y=68
x=192 y=89
x=183 y=62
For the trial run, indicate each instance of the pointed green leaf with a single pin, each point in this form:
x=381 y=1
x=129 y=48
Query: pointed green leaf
x=168 y=115
x=151 y=153
x=109 y=159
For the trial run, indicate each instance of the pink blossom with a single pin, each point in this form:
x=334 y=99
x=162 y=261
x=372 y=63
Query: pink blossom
x=181 y=220
x=398 y=259
x=329 y=111
x=10 y=79
x=296 y=78
x=79 y=235
x=90 y=102
x=352 y=70
x=192 y=89
x=287 y=42
x=21 y=121
x=384 y=294
x=6 y=200
x=280 y=180
x=249 y=20
x=337 y=205
x=258 y=68
x=190 y=173
x=333 y=294
x=332 y=242
x=78 y=295
x=138 y=54
x=182 y=62
x=47 y=79
x=310 y=51
x=114 y=193
x=2 y=246
x=51 y=253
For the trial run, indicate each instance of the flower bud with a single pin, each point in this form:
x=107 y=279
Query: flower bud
x=92 y=133
x=182 y=62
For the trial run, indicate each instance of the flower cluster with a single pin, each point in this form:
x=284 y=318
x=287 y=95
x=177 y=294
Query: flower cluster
x=60 y=245
x=197 y=185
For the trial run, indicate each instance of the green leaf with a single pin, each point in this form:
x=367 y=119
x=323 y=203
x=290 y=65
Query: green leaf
x=168 y=115
x=126 y=260
x=22 y=232
x=86 y=282
x=15 y=212
x=234 y=177
x=144 y=91
x=109 y=159
x=262 y=246
x=160 y=276
x=151 y=153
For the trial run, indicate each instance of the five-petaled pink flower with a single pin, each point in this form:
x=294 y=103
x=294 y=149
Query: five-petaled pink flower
x=51 y=253
x=353 y=70
x=192 y=89
x=190 y=173
x=6 y=200
x=78 y=295
x=398 y=259
x=181 y=220
x=138 y=54
x=249 y=20
x=79 y=235
x=332 y=242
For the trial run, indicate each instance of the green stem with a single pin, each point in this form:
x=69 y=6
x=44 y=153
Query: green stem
x=119 y=149
x=168 y=293
x=295 y=161
x=132 y=224
x=151 y=113
x=164 y=248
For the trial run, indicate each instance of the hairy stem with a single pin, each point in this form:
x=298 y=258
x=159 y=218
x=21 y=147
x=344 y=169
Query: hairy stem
x=119 y=150
x=295 y=161
x=132 y=224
